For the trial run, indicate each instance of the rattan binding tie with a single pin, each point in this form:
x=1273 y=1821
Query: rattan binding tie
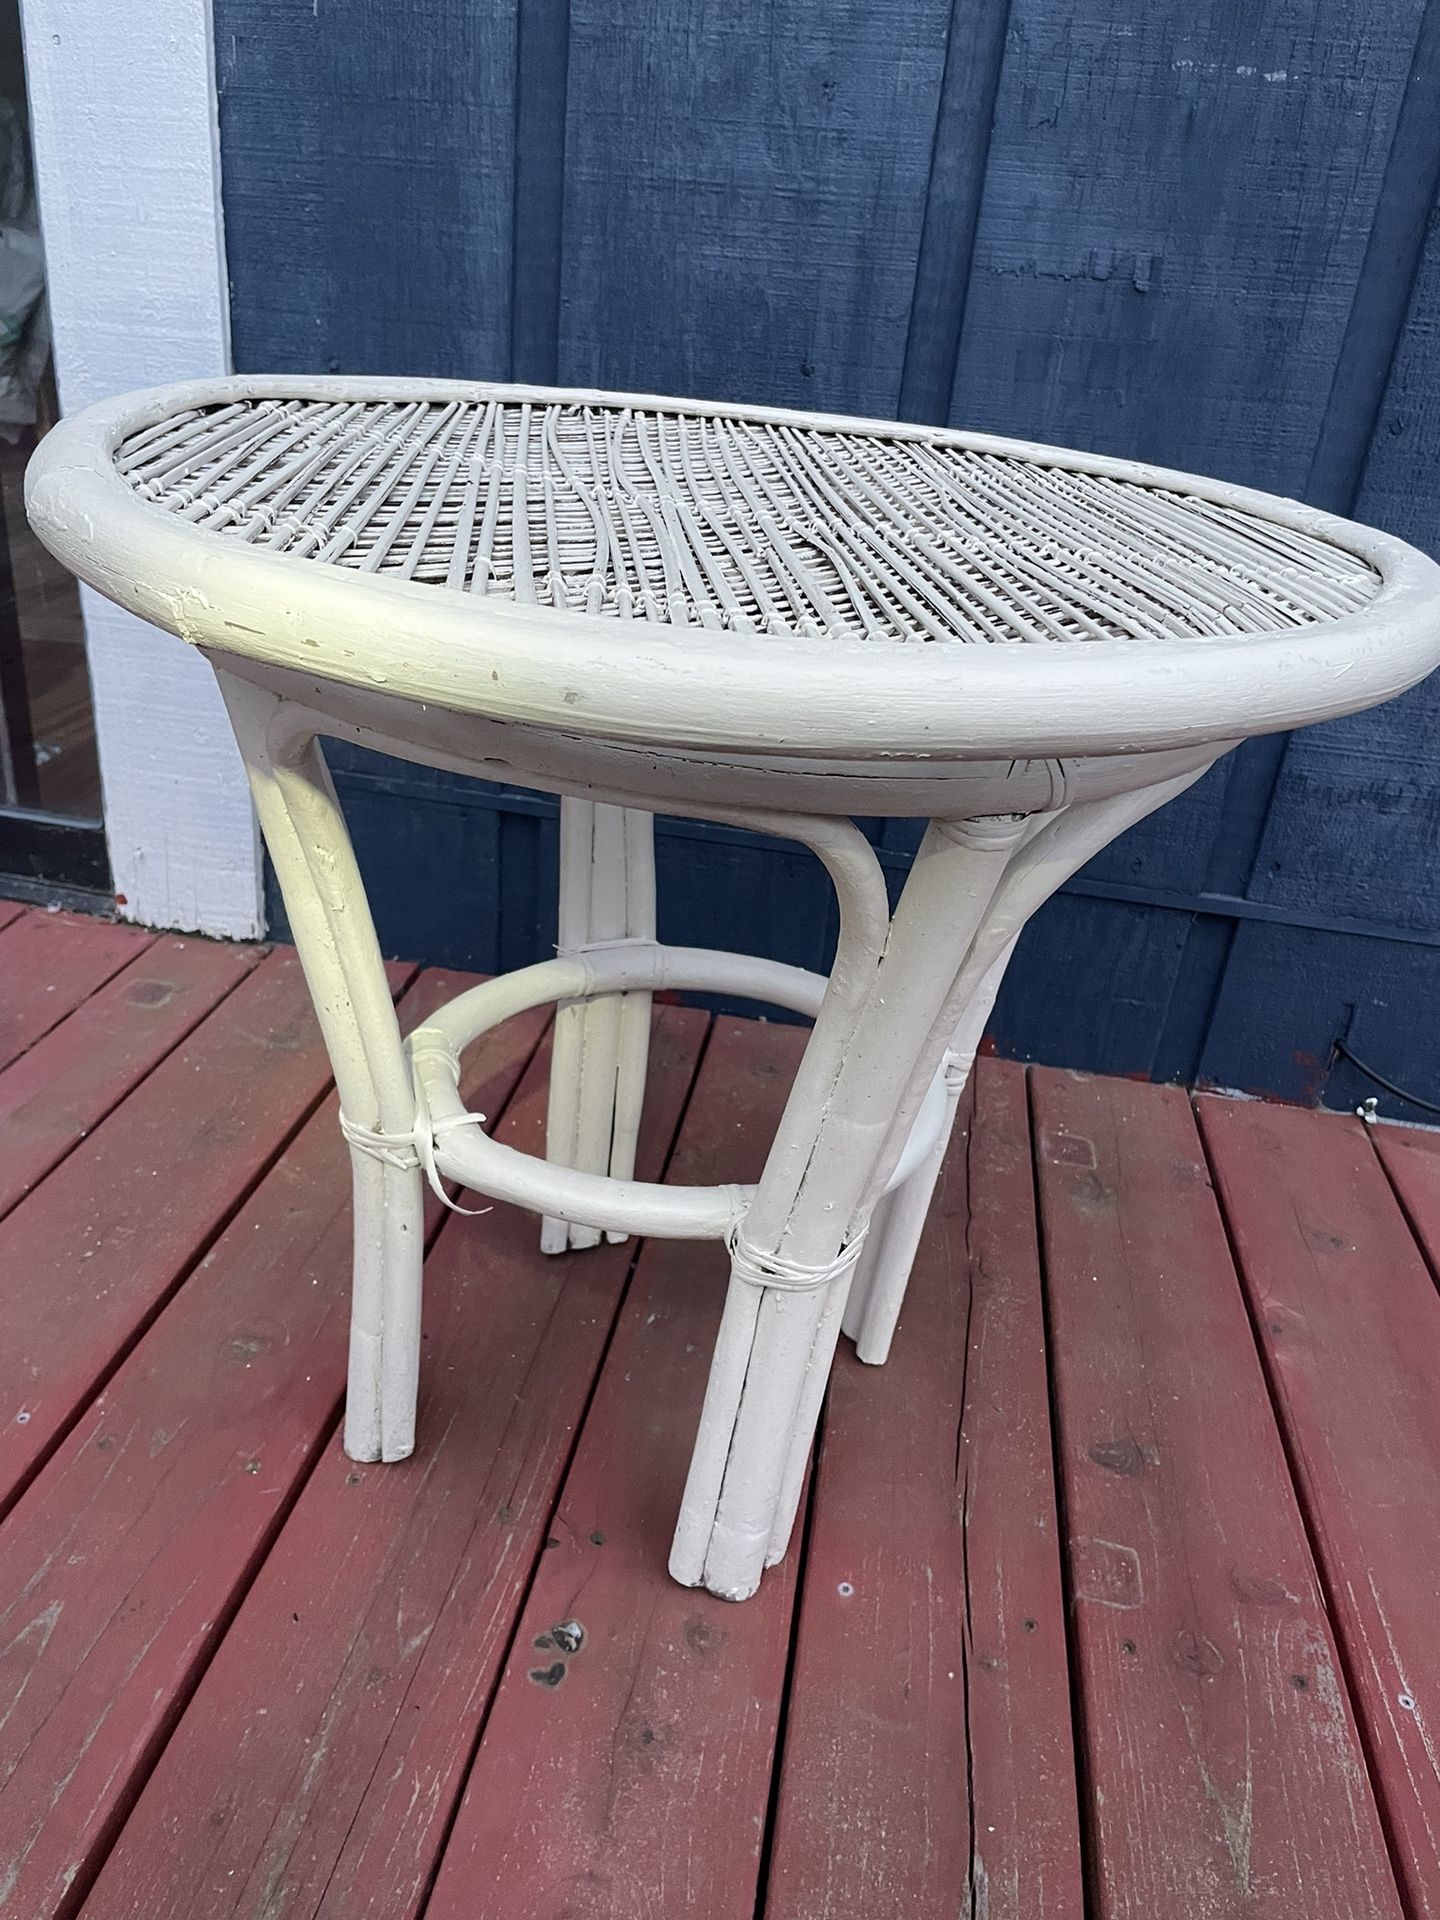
x=414 y=1149
x=774 y=1271
x=582 y=947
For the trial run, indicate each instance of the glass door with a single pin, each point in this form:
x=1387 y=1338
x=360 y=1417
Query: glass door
x=51 y=840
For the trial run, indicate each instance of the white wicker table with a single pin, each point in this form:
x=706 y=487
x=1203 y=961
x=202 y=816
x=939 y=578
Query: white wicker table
x=770 y=619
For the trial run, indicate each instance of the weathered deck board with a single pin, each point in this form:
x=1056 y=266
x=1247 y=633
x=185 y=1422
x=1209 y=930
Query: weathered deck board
x=359 y=1668
x=123 y=1219
x=1349 y=1320
x=1223 y=1772
x=263 y=1695
x=120 y=1567
x=928 y=1754
x=49 y=964
x=1411 y=1159
x=60 y=1090
x=631 y=1776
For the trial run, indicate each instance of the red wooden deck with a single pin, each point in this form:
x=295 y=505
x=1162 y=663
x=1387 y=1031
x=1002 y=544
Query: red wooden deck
x=1117 y=1591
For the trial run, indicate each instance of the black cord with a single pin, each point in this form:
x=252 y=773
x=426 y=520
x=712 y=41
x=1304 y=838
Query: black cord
x=1426 y=1106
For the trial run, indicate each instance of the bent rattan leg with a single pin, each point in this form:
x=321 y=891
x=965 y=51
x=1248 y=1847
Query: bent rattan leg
x=883 y=1272
x=601 y=1045
x=959 y=913
x=1048 y=852
x=330 y=921
x=791 y=1271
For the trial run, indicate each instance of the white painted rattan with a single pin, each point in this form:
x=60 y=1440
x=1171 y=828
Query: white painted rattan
x=775 y=621
x=1208 y=611
x=719 y=521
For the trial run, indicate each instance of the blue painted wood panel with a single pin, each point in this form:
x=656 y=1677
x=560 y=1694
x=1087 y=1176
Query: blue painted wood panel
x=368 y=164
x=1177 y=209
x=745 y=193
x=1302 y=991
x=498 y=850
x=1176 y=223
x=1193 y=233
x=1102 y=968
x=1357 y=817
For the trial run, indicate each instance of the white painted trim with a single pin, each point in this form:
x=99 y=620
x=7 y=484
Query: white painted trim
x=123 y=112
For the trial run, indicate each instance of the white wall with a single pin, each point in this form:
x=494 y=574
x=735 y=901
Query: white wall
x=122 y=102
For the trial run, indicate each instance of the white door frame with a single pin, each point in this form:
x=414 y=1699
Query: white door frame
x=127 y=161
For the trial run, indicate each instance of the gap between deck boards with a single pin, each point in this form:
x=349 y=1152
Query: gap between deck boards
x=1146 y=1635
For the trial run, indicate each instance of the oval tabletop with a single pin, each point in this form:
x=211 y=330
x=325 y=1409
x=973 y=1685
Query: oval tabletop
x=695 y=574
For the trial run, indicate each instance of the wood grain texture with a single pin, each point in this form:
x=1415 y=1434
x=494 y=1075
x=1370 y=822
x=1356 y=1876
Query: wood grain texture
x=744 y=199
x=366 y=1694
x=542 y=50
x=1354 y=813
x=1175 y=231
x=928 y=1762
x=1223 y=1774
x=1411 y=1160
x=1397 y=485
x=1349 y=1322
x=247 y=1694
x=64 y=1086
x=1179 y=858
x=49 y=964
x=1110 y=1008
x=1175 y=221
x=630 y=1775
x=1288 y=993
x=437 y=819
x=124 y=1561
x=1357 y=813
x=965 y=113
x=368 y=185
x=1355 y=818
x=131 y=1210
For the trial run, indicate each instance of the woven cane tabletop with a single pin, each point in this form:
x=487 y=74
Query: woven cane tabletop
x=714 y=521
x=678 y=574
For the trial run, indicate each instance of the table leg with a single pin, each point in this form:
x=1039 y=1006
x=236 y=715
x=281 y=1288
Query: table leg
x=792 y=1261
x=973 y=886
x=330 y=920
x=601 y=1045
x=883 y=1272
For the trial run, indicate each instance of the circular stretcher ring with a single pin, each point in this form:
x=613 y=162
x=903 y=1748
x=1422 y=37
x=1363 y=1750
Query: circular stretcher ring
x=461 y=1151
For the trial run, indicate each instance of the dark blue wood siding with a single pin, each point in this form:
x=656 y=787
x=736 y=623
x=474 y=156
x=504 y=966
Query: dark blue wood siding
x=1202 y=234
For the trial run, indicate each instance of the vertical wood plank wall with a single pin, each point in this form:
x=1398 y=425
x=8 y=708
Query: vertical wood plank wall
x=1205 y=235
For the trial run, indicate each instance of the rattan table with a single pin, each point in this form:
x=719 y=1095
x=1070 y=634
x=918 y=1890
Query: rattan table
x=771 y=619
